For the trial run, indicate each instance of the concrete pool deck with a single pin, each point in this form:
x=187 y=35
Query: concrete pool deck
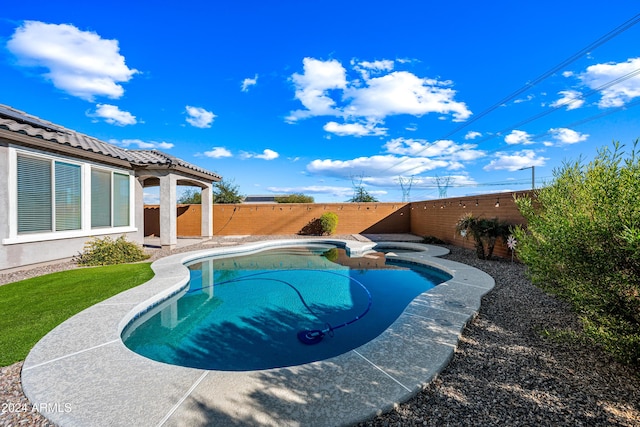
x=81 y=373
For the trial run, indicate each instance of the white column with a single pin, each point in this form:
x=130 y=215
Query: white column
x=207 y=212
x=168 y=211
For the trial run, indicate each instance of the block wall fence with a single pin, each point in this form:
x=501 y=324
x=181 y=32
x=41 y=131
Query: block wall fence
x=435 y=218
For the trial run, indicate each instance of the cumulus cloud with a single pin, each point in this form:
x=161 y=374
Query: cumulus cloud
x=313 y=86
x=113 y=115
x=566 y=136
x=572 y=99
x=325 y=90
x=619 y=94
x=375 y=166
x=472 y=135
x=142 y=145
x=217 y=153
x=355 y=129
x=516 y=160
x=199 y=117
x=442 y=149
x=518 y=137
x=80 y=63
x=267 y=154
x=248 y=82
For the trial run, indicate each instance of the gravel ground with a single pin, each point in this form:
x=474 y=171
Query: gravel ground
x=505 y=371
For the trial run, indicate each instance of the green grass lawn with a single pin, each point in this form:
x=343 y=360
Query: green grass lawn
x=29 y=309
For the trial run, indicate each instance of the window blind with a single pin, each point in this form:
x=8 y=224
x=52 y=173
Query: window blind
x=100 y=198
x=34 y=195
x=120 y=200
x=68 y=193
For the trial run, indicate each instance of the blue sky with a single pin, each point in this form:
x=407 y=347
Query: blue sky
x=316 y=97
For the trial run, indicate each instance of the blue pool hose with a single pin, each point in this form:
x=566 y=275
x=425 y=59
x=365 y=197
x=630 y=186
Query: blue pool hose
x=308 y=336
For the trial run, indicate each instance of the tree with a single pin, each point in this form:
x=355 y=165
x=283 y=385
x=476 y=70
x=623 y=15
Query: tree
x=294 y=198
x=226 y=192
x=582 y=242
x=191 y=196
x=361 y=195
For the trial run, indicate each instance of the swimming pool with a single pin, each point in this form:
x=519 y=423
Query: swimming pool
x=278 y=307
x=85 y=357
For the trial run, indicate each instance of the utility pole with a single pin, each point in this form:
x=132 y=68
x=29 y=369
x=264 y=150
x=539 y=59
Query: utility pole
x=533 y=175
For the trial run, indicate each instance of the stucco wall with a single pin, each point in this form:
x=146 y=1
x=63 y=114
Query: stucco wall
x=23 y=254
x=286 y=218
x=438 y=218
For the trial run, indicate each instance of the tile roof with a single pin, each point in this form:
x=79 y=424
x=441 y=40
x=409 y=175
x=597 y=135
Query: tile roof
x=23 y=123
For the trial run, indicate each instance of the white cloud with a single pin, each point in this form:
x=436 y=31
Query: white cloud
x=248 y=82
x=521 y=100
x=143 y=145
x=620 y=93
x=567 y=136
x=324 y=90
x=267 y=154
x=313 y=86
x=572 y=99
x=217 y=153
x=442 y=149
x=518 y=137
x=113 y=115
x=472 y=135
x=199 y=117
x=401 y=92
x=375 y=166
x=515 y=161
x=80 y=63
x=355 y=129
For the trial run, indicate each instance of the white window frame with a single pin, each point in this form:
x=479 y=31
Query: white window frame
x=85 y=177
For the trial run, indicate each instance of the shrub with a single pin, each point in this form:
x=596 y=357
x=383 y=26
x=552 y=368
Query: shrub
x=294 y=198
x=107 y=251
x=582 y=243
x=485 y=232
x=329 y=222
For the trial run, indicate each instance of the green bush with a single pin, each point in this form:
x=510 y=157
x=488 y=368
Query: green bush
x=107 y=251
x=294 y=198
x=485 y=232
x=582 y=243
x=329 y=222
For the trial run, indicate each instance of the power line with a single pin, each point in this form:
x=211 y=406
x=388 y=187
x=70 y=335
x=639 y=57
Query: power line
x=600 y=41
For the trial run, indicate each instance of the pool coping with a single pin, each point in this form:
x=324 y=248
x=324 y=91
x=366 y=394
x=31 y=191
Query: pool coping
x=81 y=373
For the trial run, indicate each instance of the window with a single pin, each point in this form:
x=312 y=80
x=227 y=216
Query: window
x=100 y=198
x=49 y=195
x=34 y=195
x=68 y=199
x=110 y=199
x=120 y=200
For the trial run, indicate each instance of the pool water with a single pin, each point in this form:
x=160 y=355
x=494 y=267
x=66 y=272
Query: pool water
x=245 y=312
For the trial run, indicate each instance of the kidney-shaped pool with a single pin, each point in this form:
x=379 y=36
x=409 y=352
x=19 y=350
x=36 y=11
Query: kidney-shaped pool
x=277 y=308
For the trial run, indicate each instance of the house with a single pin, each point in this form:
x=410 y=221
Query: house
x=59 y=188
x=262 y=198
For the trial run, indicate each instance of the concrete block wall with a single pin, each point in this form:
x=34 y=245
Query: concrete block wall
x=286 y=218
x=436 y=218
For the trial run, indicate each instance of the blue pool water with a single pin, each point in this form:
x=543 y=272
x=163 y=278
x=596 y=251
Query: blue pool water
x=245 y=312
